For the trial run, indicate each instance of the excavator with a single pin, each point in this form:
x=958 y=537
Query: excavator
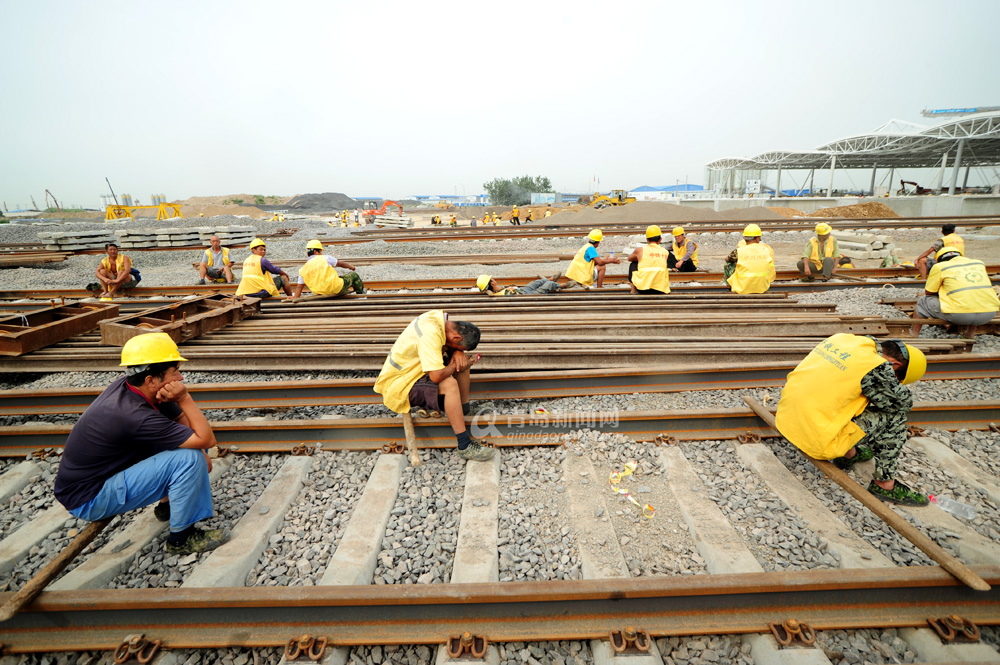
x=369 y=214
x=617 y=197
x=917 y=189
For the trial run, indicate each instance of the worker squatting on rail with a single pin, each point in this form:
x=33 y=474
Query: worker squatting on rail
x=215 y=264
x=428 y=368
x=847 y=401
x=588 y=265
x=486 y=284
x=958 y=290
x=143 y=440
x=647 y=265
x=684 y=254
x=114 y=273
x=258 y=275
x=820 y=255
x=750 y=267
x=320 y=274
x=948 y=238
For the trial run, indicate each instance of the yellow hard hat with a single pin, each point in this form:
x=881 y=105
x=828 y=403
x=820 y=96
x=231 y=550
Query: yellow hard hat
x=313 y=244
x=483 y=282
x=823 y=229
x=653 y=231
x=751 y=231
x=150 y=348
x=947 y=250
x=257 y=242
x=596 y=235
x=916 y=366
x=678 y=231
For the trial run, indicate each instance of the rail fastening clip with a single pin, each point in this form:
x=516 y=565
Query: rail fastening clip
x=787 y=631
x=307 y=645
x=466 y=643
x=136 y=646
x=630 y=637
x=954 y=627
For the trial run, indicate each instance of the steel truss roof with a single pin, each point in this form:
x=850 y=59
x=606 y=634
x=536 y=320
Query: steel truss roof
x=896 y=144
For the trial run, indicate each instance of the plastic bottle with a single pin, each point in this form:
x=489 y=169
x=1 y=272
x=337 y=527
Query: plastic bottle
x=953 y=506
x=612 y=255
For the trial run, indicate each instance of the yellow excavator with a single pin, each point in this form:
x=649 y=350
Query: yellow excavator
x=617 y=197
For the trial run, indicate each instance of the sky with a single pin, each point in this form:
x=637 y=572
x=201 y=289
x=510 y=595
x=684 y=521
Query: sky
x=394 y=99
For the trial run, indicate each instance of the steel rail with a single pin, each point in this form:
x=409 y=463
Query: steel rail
x=504 y=430
x=485 y=386
x=499 y=612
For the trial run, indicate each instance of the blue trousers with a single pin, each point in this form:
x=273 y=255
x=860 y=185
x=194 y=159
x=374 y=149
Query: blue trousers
x=181 y=475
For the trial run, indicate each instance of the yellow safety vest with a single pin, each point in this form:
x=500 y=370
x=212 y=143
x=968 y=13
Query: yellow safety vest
x=754 y=269
x=321 y=278
x=954 y=240
x=681 y=250
x=117 y=268
x=254 y=279
x=209 y=260
x=814 y=249
x=548 y=213
x=963 y=287
x=417 y=351
x=514 y=212
x=579 y=270
x=651 y=273
x=823 y=394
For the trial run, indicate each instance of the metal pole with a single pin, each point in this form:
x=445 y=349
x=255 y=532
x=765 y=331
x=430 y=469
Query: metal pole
x=112 y=189
x=944 y=165
x=892 y=172
x=777 y=185
x=965 y=181
x=812 y=175
x=833 y=167
x=954 y=169
x=871 y=190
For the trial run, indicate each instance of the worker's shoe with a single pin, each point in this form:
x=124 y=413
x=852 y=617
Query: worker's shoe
x=162 y=511
x=861 y=454
x=810 y=278
x=201 y=282
x=477 y=452
x=200 y=541
x=899 y=493
x=555 y=277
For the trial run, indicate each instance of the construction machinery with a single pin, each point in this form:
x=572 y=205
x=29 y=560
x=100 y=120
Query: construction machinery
x=917 y=189
x=616 y=197
x=55 y=203
x=444 y=205
x=163 y=211
x=372 y=213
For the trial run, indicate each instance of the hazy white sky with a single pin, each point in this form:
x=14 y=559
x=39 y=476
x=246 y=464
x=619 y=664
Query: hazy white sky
x=401 y=98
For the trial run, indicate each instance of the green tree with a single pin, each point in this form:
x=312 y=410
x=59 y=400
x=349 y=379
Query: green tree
x=515 y=191
x=258 y=199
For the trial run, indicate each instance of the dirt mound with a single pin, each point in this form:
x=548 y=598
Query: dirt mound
x=870 y=210
x=788 y=212
x=208 y=210
x=321 y=202
x=756 y=213
x=232 y=199
x=640 y=212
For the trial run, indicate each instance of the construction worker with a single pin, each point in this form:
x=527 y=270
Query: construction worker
x=515 y=217
x=588 y=266
x=530 y=216
x=215 y=264
x=750 y=267
x=548 y=213
x=473 y=221
x=428 y=368
x=684 y=257
x=274 y=217
x=816 y=260
x=453 y=221
x=948 y=238
x=496 y=219
x=486 y=218
x=647 y=270
x=320 y=274
x=142 y=440
x=435 y=220
x=846 y=402
x=486 y=284
x=959 y=291
x=114 y=274
x=258 y=280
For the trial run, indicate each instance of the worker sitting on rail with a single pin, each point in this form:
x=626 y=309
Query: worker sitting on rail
x=647 y=267
x=258 y=280
x=811 y=262
x=750 y=267
x=544 y=285
x=948 y=238
x=684 y=257
x=428 y=368
x=320 y=274
x=846 y=401
x=588 y=266
x=143 y=440
x=215 y=264
x=114 y=273
x=959 y=291
x=453 y=221
x=496 y=219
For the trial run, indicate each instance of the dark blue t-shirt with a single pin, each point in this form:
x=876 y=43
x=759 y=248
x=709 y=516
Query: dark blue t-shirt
x=119 y=429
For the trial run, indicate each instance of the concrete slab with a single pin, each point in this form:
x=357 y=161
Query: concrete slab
x=229 y=565
x=927 y=645
x=17 y=479
x=956 y=465
x=854 y=552
x=597 y=561
x=15 y=547
x=765 y=650
x=476 y=553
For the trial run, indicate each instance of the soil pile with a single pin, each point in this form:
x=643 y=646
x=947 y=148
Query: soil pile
x=755 y=214
x=640 y=212
x=322 y=202
x=190 y=211
x=870 y=210
x=788 y=212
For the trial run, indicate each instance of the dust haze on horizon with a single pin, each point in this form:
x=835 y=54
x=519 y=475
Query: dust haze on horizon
x=396 y=99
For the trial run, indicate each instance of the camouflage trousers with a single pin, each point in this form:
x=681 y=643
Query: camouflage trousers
x=885 y=434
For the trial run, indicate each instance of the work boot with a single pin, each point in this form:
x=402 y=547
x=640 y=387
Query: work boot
x=555 y=277
x=477 y=452
x=861 y=454
x=201 y=282
x=899 y=493
x=568 y=285
x=162 y=511
x=200 y=541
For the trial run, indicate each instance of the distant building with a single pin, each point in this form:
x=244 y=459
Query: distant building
x=649 y=193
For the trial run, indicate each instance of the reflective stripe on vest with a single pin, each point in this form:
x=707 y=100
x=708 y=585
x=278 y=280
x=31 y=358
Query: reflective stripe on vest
x=321 y=278
x=651 y=273
x=823 y=393
x=754 y=269
x=254 y=279
x=579 y=270
x=966 y=287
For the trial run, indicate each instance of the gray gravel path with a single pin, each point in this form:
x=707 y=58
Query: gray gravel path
x=861 y=647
